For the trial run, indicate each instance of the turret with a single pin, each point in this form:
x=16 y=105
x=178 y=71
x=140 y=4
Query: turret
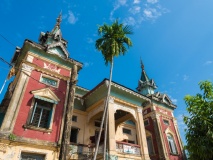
x=145 y=85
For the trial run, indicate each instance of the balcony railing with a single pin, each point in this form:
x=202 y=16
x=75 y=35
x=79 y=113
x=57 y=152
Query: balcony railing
x=80 y=151
x=127 y=148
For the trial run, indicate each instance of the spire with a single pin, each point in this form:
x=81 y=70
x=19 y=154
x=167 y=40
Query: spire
x=58 y=20
x=145 y=85
x=144 y=77
x=53 y=41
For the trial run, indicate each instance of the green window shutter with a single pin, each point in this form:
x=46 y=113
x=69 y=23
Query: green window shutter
x=49 y=118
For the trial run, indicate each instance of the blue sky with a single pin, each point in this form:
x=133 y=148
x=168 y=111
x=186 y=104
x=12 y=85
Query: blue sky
x=174 y=39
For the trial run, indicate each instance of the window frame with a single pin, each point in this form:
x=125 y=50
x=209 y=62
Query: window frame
x=74 y=118
x=171 y=147
x=165 y=122
x=50 y=77
x=33 y=153
x=127 y=129
x=146 y=120
x=28 y=124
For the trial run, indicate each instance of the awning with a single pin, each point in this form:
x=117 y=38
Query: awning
x=45 y=99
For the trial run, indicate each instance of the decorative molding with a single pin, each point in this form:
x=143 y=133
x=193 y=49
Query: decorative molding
x=124 y=108
x=131 y=92
x=162 y=111
x=52 y=68
x=139 y=110
x=155 y=116
x=111 y=100
x=29 y=58
x=27 y=68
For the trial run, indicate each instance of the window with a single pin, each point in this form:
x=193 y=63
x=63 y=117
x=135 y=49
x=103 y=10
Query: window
x=74 y=118
x=126 y=131
x=74 y=135
x=31 y=156
x=172 y=145
x=149 y=144
x=42 y=114
x=166 y=122
x=146 y=122
x=49 y=81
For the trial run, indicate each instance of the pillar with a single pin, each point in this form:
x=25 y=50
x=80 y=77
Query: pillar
x=142 y=135
x=111 y=126
x=15 y=102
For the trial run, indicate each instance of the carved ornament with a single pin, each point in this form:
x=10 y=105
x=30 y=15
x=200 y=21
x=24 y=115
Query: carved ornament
x=52 y=68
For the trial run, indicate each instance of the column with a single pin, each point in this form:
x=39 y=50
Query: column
x=111 y=127
x=16 y=99
x=142 y=135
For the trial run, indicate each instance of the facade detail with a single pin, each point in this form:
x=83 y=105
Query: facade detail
x=33 y=119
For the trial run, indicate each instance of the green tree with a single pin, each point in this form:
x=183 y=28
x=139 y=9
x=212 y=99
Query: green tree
x=199 y=132
x=113 y=42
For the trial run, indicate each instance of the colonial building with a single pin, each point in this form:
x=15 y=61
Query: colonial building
x=141 y=123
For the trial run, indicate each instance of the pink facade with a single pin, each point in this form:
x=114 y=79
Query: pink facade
x=23 y=113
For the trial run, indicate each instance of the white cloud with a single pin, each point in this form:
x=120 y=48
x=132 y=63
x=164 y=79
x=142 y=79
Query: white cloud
x=72 y=19
x=134 y=10
x=172 y=82
x=152 y=1
x=185 y=77
x=151 y=13
x=122 y=2
x=129 y=21
x=136 y=1
x=174 y=100
x=180 y=122
x=208 y=62
x=116 y=6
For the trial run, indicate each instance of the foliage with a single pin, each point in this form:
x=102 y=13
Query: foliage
x=113 y=41
x=12 y=137
x=199 y=132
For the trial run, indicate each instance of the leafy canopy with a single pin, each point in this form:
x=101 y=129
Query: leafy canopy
x=199 y=132
x=113 y=40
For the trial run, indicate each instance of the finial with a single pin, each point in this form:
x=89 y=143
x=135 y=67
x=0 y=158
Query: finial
x=142 y=66
x=59 y=19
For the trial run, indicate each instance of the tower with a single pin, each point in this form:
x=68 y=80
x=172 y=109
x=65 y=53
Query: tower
x=162 y=134
x=145 y=85
x=34 y=106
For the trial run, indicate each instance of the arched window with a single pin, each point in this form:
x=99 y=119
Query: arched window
x=172 y=145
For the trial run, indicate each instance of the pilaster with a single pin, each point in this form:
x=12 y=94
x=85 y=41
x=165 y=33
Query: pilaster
x=159 y=137
x=111 y=126
x=142 y=135
x=13 y=108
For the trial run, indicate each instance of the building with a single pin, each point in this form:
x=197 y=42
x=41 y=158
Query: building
x=141 y=123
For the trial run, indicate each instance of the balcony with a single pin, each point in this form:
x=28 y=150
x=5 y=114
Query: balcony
x=80 y=151
x=128 y=148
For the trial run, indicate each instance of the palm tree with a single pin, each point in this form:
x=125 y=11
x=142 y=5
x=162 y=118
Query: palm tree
x=113 y=42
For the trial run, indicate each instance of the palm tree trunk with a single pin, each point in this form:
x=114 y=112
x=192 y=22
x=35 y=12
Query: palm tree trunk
x=106 y=138
x=64 y=153
x=104 y=117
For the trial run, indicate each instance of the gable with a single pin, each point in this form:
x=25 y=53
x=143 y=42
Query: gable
x=46 y=94
x=58 y=49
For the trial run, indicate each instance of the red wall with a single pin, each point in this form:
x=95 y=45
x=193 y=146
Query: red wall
x=27 y=101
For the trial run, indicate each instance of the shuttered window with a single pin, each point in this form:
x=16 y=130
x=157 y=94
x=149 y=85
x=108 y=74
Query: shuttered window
x=42 y=114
